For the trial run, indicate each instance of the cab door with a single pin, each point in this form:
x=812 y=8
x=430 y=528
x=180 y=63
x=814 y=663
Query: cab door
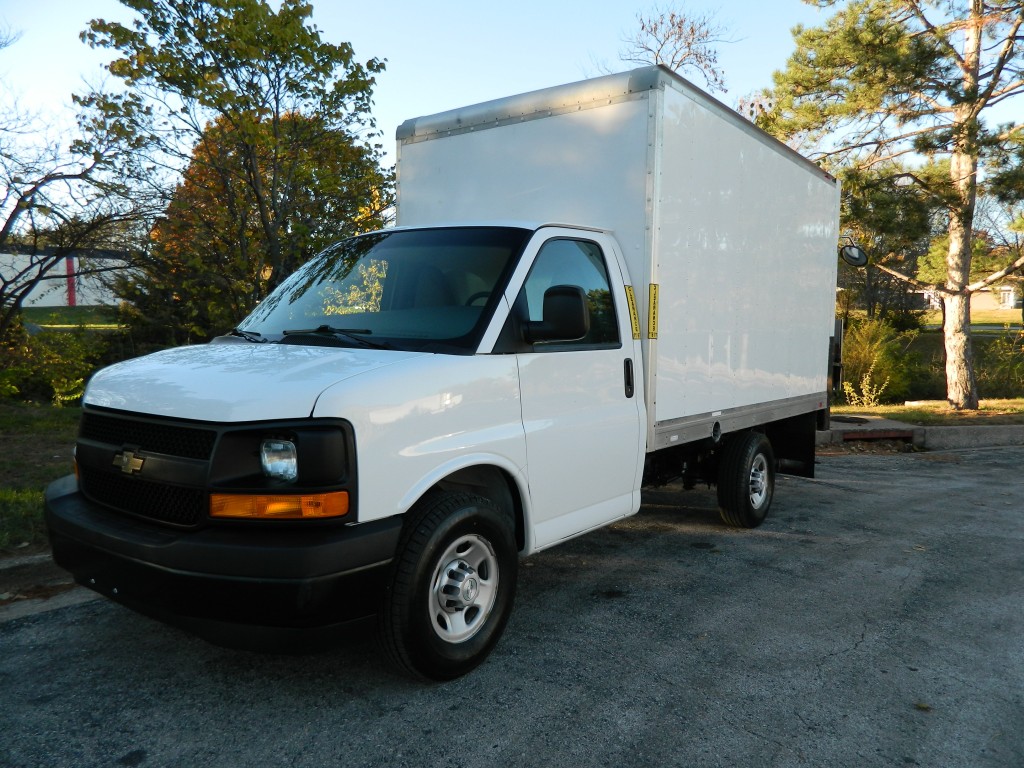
x=580 y=397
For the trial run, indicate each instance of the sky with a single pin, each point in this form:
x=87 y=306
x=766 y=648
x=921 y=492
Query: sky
x=440 y=55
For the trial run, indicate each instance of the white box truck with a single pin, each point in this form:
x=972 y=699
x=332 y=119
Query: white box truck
x=593 y=287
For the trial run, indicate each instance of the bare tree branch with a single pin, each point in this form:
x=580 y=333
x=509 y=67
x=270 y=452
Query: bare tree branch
x=911 y=280
x=680 y=41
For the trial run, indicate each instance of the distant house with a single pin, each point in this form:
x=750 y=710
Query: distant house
x=1000 y=297
x=64 y=285
x=1009 y=297
x=1004 y=296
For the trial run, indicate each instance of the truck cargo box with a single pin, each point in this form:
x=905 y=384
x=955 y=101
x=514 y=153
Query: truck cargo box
x=729 y=235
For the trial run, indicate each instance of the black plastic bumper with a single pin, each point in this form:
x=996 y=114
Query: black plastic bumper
x=284 y=578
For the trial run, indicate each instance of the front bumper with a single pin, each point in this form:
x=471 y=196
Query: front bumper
x=288 y=578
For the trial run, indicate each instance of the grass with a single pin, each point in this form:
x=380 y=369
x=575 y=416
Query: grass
x=98 y=318
x=998 y=317
x=38 y=441
x=937 y=413
x=21 y=520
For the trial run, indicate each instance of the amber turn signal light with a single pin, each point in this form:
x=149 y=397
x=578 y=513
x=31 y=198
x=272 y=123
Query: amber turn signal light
x=279 y=506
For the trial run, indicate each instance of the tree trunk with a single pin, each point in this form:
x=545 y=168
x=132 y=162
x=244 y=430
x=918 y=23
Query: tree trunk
x=961 y=389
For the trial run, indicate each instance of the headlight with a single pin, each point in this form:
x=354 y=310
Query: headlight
x=279 y=459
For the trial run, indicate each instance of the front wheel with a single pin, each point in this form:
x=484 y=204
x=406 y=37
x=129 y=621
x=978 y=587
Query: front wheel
x=746 y=480
x=451 y=587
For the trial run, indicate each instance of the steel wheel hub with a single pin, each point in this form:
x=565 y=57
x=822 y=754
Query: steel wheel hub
x=464 y=588
x=459 y=587
x=758 y=481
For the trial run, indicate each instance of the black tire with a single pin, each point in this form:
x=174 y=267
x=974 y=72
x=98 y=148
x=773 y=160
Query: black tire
x=451 y=587
x=746 y=480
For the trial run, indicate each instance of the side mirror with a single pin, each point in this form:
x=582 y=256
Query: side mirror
x=852 y=253
x=566 y=316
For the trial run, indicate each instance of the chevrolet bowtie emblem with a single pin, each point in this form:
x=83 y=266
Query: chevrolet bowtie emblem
x=128 y=462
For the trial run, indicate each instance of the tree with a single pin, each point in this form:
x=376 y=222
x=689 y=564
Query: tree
x=7 y=37
x=268 y=123
x=886 y=80
x=680 y=41
x=208 y=266
x=895 y=224
x=1005 y=213
x=61 y=195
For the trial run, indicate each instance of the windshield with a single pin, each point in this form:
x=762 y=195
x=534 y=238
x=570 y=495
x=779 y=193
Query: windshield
x=423 y=289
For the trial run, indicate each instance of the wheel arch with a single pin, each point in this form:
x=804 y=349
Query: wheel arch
x=486 y=476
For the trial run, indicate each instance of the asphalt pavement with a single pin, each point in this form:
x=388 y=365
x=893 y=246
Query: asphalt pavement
x=875 y=619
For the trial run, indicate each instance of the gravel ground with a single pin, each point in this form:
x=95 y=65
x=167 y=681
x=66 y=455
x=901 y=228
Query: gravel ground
x=874 y=620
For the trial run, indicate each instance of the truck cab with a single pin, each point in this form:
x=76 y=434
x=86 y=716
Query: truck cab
x=269 y=478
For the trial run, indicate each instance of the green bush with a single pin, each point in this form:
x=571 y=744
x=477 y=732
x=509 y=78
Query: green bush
x=877 y=364
x=21 y=519
x=49 y=366
x=928 y=373
x=869 y=392
x=999 y=366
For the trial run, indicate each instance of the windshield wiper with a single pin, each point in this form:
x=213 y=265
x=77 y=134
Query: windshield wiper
x=352 y=334
x=248 y=335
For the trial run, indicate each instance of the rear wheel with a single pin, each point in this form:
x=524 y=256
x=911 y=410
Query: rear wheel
x=746 y=480
x=451 y=587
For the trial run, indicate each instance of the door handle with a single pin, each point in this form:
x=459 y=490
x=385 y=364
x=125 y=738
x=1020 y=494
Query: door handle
x=627 y=371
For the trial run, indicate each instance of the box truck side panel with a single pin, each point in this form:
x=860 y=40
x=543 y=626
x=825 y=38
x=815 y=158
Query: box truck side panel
x=745 y=235
x=587 y=167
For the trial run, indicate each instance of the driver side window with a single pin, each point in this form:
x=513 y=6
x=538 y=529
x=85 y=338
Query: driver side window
x=579 y=263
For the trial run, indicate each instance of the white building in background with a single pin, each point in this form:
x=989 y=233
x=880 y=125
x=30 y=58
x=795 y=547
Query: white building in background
x=1004 y=296
x=63 y=286
x=1009 y=297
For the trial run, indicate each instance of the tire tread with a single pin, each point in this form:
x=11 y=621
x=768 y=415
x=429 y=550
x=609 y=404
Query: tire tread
x=425 y=517
x=734 y=478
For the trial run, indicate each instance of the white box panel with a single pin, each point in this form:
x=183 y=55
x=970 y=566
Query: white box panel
x=738 y=231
